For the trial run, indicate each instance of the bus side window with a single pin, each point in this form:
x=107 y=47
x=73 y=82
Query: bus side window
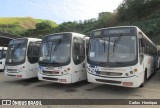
x=142 y=42
x=33 y=52
x=78 y=51
x=140 y=46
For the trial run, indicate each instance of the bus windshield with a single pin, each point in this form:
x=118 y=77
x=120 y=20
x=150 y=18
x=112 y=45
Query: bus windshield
x=16 y=51
x=55 y=49
x=113 y=50
x=99 y=49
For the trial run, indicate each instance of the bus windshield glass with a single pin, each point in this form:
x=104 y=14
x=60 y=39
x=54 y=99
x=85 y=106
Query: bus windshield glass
x=55 y=49
x=16 y=51
x=122 y=49
x=113 y=49
x=99 y=49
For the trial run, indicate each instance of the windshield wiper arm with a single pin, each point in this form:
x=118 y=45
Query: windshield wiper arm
x=114 y=44
x=58 y=43
x=120 y=62
x=14 y=49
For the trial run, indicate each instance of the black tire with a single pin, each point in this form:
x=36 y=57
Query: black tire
x=145 y=78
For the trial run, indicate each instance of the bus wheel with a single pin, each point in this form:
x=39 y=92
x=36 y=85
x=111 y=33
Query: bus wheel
x=145 y=78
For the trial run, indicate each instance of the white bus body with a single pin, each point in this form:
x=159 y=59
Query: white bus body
x=22 y=58
x=62 y=58
x=121 y=56
x=3 y=51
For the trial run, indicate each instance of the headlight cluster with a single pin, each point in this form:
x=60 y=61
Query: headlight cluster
x=91 y=70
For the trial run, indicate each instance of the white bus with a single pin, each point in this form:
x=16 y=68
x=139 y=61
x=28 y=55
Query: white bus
x=121 y=56
x=62 y=58
x=3 y=51
x=22 y=58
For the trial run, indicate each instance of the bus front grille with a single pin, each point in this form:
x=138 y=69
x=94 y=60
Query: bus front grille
x=50 y=72
x=109 y=81
x=53 y=79
x=11 y=75
x=12 y=70
x=110 y=73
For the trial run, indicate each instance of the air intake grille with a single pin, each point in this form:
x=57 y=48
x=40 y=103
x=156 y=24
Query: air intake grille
x=108 y=81
x=110 y=73
x=54 y=79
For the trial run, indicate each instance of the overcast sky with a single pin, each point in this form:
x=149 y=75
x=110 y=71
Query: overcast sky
x=57 y=10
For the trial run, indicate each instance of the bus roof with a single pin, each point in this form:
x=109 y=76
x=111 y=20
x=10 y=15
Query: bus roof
x=30 y=39
x=115 y=27
x=126 y=27
x=66 y=33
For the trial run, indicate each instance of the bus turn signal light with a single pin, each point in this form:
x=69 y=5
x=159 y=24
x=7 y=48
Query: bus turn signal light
x=135 y=70
x=68 y=69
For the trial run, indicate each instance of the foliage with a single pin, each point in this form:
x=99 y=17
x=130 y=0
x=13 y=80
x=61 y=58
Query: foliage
x=19 y=25
x=142 y=13
x=40 y=30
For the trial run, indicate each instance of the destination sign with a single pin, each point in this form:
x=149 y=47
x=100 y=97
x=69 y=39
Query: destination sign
x=119 y=31
x=97 y=33
x=18 y=41
x=55 y=37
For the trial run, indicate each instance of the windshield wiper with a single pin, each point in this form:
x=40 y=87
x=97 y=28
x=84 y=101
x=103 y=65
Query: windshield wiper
x=58 y=43
x=104 y=44
x=55 y=63
x=120 y=62
x=14 y=49
x=115 y=42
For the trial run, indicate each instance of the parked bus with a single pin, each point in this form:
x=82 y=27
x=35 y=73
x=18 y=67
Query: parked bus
x=62 y=58
x=121 y=56
x=3 y=51
x=22 y=58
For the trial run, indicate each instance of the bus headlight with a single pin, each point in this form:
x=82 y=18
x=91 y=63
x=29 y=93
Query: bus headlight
x=131 y=72
x=127 y=74
x=19 y=70
x=88 y=68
